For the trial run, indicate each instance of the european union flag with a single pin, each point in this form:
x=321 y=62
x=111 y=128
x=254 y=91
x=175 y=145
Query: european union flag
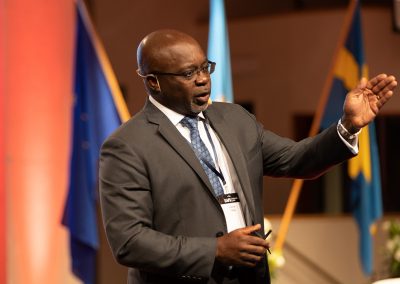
x=218 y=51
x=95 y=116
x=366 y=200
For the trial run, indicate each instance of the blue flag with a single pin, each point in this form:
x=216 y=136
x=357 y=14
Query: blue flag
x=366 y=200
x=95 y=116
x=218 y=51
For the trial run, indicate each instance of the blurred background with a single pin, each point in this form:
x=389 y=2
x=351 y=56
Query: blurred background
x=281 y=55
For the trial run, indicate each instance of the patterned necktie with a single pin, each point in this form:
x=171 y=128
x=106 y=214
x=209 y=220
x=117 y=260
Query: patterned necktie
x=202 y=153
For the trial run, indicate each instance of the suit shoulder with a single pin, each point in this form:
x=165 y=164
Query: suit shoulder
x=231 y=109
x=129 y=129
x=223 y=106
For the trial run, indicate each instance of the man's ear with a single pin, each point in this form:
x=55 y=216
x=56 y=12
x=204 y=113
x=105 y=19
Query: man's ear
x=153 y=84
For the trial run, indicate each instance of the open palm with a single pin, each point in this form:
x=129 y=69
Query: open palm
x=363 y=103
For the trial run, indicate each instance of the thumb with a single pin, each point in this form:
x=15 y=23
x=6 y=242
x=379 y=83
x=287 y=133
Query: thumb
x=363 y=83
x=248 y=230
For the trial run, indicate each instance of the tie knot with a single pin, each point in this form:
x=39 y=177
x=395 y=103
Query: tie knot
x=189 y=122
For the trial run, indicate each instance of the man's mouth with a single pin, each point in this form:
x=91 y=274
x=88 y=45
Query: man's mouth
x=202 y=98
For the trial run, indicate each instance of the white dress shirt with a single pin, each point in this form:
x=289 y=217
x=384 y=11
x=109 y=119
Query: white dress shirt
x=220 y=150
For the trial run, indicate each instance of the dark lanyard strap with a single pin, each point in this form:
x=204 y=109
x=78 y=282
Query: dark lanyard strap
x=216 y=171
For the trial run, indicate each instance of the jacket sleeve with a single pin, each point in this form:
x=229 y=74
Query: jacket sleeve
x=127 y=209
x=307 y=158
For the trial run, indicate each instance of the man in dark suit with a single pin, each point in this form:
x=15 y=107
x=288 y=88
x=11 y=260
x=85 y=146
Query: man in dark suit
x=181 y=182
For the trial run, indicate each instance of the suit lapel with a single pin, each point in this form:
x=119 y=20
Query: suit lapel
x=177 y=141
x=230 y=142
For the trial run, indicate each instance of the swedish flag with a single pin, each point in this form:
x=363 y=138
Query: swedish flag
x=366 y=201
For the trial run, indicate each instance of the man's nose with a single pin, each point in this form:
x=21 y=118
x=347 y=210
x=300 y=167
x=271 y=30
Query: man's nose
x=202 y=78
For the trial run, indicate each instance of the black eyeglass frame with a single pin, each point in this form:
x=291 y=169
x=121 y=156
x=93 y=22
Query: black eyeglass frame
x=208 y=69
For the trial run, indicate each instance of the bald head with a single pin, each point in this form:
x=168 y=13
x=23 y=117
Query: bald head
x=158 y=48
x=165 y=57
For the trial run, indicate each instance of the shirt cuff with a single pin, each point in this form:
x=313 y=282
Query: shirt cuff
x=350 y=140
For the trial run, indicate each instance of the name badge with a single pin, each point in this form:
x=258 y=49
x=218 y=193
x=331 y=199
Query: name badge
x=230 y=204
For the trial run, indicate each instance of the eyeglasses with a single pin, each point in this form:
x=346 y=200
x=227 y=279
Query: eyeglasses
x=189 y=74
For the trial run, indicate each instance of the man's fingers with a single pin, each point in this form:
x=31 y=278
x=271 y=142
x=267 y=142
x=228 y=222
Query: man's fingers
x=257 y=250
x=250 y=257
x=389 y=87
x=248 y=263
x=242 y=247
x=371 y=83
x=384 y=84
x=388 y=83
x=384 y=94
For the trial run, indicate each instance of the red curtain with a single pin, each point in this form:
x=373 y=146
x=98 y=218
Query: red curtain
x=37 y=101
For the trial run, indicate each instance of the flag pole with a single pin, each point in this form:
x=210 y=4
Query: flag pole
x=105 y=63
x=298 y=183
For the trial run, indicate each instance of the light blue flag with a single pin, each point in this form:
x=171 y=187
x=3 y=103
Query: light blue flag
x=95 y=116
x=218 y=51
x=364 y=170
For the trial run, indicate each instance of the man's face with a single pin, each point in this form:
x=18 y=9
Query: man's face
x=187 y=96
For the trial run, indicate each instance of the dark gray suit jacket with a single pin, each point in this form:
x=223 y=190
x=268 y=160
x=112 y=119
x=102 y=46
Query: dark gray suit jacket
x=160 y=215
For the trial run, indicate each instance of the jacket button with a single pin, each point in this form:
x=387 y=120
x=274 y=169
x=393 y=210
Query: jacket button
x=219 y=234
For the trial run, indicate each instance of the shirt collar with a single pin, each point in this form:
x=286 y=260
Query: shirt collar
x=173 y=116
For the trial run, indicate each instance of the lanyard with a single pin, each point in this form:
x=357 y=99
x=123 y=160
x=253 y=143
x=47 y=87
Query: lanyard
x=217 y=171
